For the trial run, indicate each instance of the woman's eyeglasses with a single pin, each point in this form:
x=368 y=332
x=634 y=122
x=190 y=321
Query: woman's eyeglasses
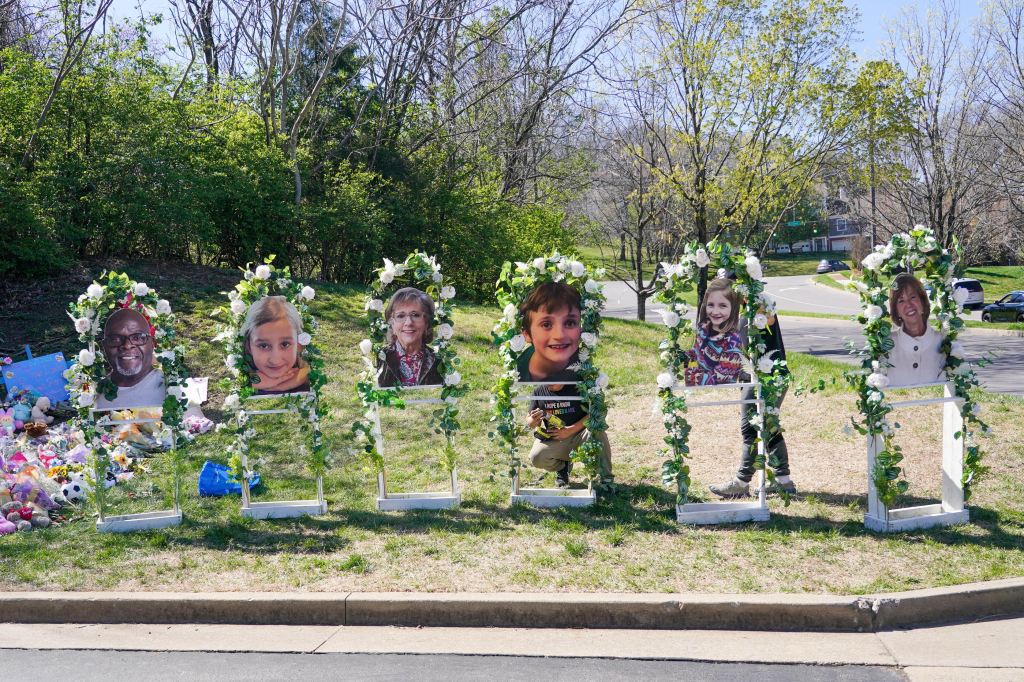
x=117 y=340
x=402 y=317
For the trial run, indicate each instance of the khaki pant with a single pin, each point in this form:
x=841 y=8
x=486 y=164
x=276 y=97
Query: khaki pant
x=551 y=455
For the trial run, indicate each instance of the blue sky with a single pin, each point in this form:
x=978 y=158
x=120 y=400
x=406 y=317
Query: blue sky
x=875 y=15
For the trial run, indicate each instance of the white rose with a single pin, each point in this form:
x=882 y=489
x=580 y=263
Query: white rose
x=86 y=357
x=262 y=272
x=304 y=339
x=436 y=276
x=765 y=364
x=445 y=331
x=510 y=312
x=517 y=343
x=230 y=361
x=960 y=295
x=562 y=264
x=86 y=399
x=592 y=286
x=873 y=261
x=665 y=380
x=141 y=289
x=387 y=275
x=366 y=347
x=540 y=263
x=956 y=349
x=701 y=258
x=238 y=307
x=175 y=392
x=584 y=355
x=602 y=381
x=95 y=291
x=163 y=307
x=588 y=339
x=308 y=293
x=760 y=320
x=232 y=402
x=577 y=268
x=168 y=354
x=670 y=318
x=375 y=304
x=753 y=267
x=452 y=379
x=447 y=291
x=888 y=251
x=878 y=380
x=873 y=312
x=82 y=325
x=768 y=301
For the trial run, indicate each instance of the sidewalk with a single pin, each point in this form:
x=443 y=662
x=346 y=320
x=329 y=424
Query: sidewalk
x=985 y=650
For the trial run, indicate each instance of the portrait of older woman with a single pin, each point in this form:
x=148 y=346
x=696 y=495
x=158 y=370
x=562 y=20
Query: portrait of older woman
x=408 y=358
x=917 y=357
x=128 y=349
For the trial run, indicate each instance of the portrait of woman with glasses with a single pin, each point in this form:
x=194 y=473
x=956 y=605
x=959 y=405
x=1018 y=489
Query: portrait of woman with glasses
x=408 y=359
x=128 y=349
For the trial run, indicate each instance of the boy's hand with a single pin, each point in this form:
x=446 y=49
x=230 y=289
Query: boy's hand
x=567 y=432
x=534 y=418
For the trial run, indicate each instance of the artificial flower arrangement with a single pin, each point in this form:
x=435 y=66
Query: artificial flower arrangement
x=514 y=285
x=916 y=250
x=423 y=272
x=259 y=281
x=674 y=281
x=89 y=376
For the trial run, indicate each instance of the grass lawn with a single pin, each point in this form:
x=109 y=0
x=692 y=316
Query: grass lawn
x=784 y=265
x=629 y=543
x=998 y=280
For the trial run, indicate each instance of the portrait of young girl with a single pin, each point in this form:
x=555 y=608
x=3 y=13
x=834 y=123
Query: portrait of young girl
x=717 y=353
x=272 y=350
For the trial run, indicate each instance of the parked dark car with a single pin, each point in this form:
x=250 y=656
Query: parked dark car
x=1009 y=308
x=827 y=265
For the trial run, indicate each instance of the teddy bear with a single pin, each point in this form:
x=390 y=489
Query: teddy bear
x=39 y=411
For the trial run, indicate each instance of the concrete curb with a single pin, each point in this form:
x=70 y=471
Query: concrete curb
x=645 y=611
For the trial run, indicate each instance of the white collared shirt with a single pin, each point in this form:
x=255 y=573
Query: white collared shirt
x=916 y=359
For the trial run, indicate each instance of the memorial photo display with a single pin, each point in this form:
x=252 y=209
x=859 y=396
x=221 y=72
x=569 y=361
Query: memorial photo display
x=717 y=353
x=916 y=356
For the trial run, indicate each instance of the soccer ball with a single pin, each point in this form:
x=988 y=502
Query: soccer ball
x=75 y=490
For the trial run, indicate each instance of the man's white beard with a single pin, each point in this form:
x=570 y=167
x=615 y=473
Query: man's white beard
x=126 y=372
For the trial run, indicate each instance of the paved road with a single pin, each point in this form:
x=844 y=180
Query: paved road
x=827 y=338
x=103 y=666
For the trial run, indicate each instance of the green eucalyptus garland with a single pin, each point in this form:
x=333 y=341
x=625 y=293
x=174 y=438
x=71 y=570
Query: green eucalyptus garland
x=916 y=250
x=422 y=271
x=674 y=281
x=514 y=285
x=89 y=376
x=259 y=281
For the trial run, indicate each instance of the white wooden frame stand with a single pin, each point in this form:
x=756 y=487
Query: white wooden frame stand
x=951 y=510
x=424 y=500
x=550 y=498
x=280 y=509
x=127 y=523
x=705 y=513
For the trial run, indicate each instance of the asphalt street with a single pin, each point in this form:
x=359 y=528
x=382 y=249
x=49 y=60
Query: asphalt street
x=827 y=338
x=102 y=666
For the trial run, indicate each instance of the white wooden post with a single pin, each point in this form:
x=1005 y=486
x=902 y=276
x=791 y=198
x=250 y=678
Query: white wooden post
x=729 y=511
x=421 y=500
x=551 y=497
x=950 y=511
x=126 y=523
x=280 y=509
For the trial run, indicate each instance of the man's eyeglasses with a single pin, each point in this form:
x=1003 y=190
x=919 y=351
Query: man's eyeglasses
x=117 y=340
x=402 y=317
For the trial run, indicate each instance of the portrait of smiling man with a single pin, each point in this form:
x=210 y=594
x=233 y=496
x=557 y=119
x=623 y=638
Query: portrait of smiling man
x=128 y=348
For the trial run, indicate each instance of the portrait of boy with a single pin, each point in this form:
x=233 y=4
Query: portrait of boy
x=551 y=318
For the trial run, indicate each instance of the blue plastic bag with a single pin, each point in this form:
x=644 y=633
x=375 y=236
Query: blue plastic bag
x=215 y=481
